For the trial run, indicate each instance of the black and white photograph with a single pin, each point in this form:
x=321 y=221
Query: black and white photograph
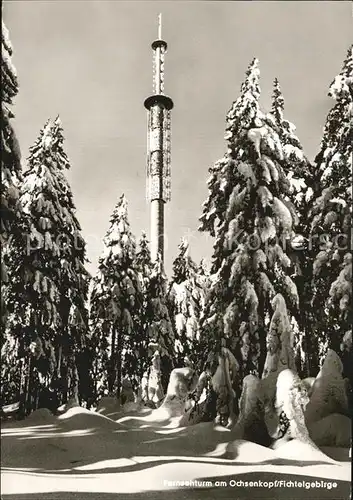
x=176 y=250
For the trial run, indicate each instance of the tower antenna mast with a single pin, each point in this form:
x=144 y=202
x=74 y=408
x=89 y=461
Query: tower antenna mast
x=158 y=107
x=160 y=26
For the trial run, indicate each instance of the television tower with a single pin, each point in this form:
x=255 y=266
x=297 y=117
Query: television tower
x=158 y=107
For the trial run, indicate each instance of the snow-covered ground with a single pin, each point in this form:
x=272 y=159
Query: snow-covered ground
x=113 y=455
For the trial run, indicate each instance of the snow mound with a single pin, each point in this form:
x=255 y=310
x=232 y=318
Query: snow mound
x=111 y=407
x=246 y=451
x=12 y=408
x=86 y=464
x=72 y=403
x=205 y=430
x=250 y=425
x=40 y=416
x=271 y=421
x=133 y=407
x=80 y=418
x=305 y=452
x=194 y=416
x=182 y=381
x=308 y=383
x=328 y=391
x=332 y=430
x=108 y=404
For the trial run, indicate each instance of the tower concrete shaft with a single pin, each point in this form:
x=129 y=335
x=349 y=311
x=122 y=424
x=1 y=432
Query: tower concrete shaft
x=158 y=107
x=157 y=229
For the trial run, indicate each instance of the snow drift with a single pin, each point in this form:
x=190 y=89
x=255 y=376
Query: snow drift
x=90 y=454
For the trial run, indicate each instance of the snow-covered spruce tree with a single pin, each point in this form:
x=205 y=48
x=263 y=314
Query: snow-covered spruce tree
x=160 y=330
x=48 y=288
x=331 y=217
x=301 y=175
x=143 y=259
x=144 y=268
x=12 y=221
x=340 y=301
x=11 y=170
x=298 y=168
x=114 y=304
x=186 y=297
x=248 y=212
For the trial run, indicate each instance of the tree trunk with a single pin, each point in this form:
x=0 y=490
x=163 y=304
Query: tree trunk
x=36 y=392
x=74 y=392
x=23 y=386
x=308 y=369
x=58 y=369
x=118 y=365
x=112 y=368
x=27 y=393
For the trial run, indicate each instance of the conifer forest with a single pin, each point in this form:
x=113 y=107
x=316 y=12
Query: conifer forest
x=256 y=343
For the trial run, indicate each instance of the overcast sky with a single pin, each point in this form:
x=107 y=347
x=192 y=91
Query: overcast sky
x=91 y=62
